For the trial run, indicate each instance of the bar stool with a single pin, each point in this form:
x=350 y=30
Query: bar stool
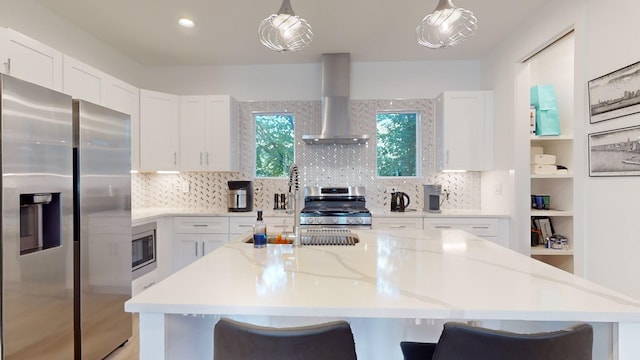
x=234 y=340
x=460 y=341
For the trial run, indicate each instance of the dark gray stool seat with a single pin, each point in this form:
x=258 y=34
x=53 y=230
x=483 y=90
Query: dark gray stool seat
x=460 y=341
x=234 y=340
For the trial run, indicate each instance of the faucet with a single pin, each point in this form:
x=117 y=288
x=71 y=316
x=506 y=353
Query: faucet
x=292 y=202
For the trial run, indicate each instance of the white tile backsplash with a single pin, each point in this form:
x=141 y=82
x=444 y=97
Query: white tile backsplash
x=319 y=164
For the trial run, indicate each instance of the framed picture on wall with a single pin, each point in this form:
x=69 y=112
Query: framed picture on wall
x=615 y=152
x=615 y=94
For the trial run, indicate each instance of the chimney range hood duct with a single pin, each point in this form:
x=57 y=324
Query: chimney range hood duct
x=336 y=79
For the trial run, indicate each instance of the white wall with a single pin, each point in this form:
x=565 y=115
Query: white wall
x=379 y=80
x=32 y=19
x=612 y=203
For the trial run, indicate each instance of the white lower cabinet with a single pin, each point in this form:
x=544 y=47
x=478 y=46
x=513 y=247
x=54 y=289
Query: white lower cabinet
x=493 y=229
x=401 y=223
x=196 y=236
x=239 y=225
x=143 y=282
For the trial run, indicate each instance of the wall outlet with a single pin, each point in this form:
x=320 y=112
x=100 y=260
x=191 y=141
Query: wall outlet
x=185 y=187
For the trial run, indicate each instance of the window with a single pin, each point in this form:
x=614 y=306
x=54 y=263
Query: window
x=274 y=144
x=397 y=143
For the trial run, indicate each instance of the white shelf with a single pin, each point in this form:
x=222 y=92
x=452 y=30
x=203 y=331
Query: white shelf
x=541 y=250
x=552 y=176
x=551 y=137
x=551 y=213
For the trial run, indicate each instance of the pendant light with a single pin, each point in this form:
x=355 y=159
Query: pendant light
x=285 y=31
x=446 y=26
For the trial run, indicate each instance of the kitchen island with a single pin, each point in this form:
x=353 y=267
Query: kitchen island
x=393 y=285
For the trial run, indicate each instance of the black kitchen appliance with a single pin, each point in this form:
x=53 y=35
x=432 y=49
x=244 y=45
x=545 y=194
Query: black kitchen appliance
x=432 y=198
x=399 y=201
x=335 y=207
x=240 y=196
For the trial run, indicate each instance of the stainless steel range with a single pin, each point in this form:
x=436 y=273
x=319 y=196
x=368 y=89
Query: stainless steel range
x=335 y=207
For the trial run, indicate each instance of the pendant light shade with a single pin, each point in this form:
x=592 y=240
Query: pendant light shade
x=446 y=26
x=285 y=31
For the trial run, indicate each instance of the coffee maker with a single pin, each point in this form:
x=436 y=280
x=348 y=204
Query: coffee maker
x=240 y=196
x=432 y=198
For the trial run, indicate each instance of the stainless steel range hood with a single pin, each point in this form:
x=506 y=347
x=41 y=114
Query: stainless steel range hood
x=336 y=125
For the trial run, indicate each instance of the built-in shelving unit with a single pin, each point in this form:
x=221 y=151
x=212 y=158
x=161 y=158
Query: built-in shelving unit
x=554 y=66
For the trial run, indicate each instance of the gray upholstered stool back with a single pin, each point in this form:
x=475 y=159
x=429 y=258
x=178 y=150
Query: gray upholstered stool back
x=460 y=341
x=234 y=340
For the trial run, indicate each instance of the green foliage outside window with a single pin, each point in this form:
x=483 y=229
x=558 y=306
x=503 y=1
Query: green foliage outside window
x=397 y=143
x=275 y=144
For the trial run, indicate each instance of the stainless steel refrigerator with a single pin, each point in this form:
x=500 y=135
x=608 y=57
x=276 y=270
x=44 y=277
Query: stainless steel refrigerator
x=102 y=223
x=50 y=305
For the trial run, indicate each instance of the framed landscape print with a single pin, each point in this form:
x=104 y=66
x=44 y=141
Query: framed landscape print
x=615 y=152
x=615 y=94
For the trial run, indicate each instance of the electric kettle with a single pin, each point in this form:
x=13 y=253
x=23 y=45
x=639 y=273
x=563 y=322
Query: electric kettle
x=399 y=201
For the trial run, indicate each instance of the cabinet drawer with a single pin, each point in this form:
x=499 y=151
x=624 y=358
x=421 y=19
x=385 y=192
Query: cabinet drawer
x=239 y=225
x=201 y=225
x=478 y=226
x=143 y=282
x=396 y=223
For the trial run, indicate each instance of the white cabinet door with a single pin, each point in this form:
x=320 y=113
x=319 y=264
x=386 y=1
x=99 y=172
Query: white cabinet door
x=193 y=118
x=191 y=247
x=464 y=131
x=222 y=152
x=187 y=248
x=82 y=81
x=159 y=131
x=125 y=98
x=208 y=133
x=31 y=60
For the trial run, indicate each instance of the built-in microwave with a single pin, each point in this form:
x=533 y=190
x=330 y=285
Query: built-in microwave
x=143 y=249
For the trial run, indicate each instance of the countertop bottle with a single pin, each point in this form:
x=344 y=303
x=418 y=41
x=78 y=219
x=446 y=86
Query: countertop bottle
x=259 y=232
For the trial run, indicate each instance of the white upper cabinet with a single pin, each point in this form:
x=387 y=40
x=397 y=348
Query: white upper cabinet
x=464 y=130
x=125 y=98
x=159 y=131
x=30 y=60
x=208 y=133
x=82 y=81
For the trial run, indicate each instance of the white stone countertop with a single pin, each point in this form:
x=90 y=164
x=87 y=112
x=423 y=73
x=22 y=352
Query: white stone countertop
x=142 y=215
x=409 y=274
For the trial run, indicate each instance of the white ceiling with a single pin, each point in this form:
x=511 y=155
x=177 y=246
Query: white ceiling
x=226 y=30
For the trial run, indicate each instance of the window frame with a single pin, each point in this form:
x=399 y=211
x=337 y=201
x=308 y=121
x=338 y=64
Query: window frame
x=254 y=116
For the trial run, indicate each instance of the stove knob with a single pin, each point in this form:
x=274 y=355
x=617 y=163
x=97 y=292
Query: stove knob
x=350 y=221
x=335 y=220
x=360 y=220
x=307 y=220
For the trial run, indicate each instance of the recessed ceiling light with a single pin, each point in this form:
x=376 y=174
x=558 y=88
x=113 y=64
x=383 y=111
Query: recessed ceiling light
x=184 y=22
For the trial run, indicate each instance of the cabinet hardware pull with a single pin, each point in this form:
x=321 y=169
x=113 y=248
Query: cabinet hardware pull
x=480 y=227
x=245 y=225
x=175 y=158
x=442 y=227
x=202 y=249
x=8 y=66
x=196 y=246
x=207 y=158
x=149 y=285
x=397 y=226
x=447 y=157
x=201 y=158
x=200 y=225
